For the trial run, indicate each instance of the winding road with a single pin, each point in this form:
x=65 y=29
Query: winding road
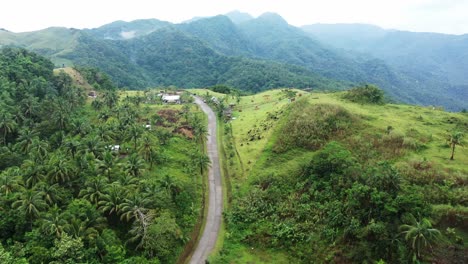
x=215 y=206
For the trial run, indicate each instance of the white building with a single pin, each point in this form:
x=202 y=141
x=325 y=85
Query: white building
x=174 y=99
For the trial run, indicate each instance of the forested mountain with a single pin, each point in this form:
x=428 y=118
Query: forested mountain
x=436 y=60
x=218 y=46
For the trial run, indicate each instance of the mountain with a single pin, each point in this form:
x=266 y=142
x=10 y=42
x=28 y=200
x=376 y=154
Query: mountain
x=221 y=34
x=417 y=68
x=270 y=37
x=238 y=17
x=432 y=59
x=119 y=30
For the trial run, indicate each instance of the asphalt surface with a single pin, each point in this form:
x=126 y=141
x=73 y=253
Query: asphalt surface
x=215 y=192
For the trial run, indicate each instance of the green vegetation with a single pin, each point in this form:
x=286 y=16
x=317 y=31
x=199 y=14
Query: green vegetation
x=318 y=179
x=368 y=94
x=104 y=180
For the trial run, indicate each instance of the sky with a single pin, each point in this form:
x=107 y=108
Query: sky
x=442 y=16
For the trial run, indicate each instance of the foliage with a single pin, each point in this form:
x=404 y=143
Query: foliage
x=87 y=184
x=368 y=94
x=98 y=79
x=310 y=126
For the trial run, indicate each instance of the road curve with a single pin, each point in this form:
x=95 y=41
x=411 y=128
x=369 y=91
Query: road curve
x=215 y=206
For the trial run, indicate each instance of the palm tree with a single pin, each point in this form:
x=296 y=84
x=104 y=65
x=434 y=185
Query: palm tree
x=53 y=222
x=201 y=161
x=7 y=124
x=30 y=203
x=134 y=133
x=39 y=150
x=93 y=145
x=134 y=207
x=29 y=106
x=79 y=127
x=171 y=186
x=420 y=235
x=128 y=181
x=60 y=170
x=81 y=229
x=455 y=139
x=25 y=140
x=49 y=192
x=60 y=114
x=200 y=131
x=95 y=188
x=112 y=199
x=104 y=132
x=10 y=180
x=147 y=148
x=108 y=164
x=33 y=172
x=134 y=165
x=71 y=146
x=110 y=98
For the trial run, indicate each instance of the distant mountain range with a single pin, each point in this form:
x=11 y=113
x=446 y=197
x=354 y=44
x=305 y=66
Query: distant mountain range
x=264 y=52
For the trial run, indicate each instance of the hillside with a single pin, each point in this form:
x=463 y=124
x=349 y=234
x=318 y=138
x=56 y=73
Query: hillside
x=324 y=179
x=77 y=78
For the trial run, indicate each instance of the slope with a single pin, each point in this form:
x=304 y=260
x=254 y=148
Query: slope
x=298 y=202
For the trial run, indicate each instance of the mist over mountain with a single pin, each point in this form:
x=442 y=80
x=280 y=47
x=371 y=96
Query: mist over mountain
x=264 y=52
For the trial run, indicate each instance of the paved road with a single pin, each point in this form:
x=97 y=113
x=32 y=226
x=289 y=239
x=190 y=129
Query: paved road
x=215 y=205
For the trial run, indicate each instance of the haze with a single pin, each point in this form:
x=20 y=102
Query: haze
x=443 y=16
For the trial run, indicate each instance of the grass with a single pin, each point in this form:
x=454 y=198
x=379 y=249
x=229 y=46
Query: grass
x=240 y=254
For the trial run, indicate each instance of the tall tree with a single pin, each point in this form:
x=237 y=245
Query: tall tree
x=30 y=202
x=25 y=140
x=134 y=165
x=10 y=180
x=420 y=235
x=53 y=222
x=455 y=139
x=7 y=124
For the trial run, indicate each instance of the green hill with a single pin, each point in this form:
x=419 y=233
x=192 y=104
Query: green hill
x=323 y=179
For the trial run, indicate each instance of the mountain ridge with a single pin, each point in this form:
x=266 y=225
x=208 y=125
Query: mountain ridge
x=265 y=39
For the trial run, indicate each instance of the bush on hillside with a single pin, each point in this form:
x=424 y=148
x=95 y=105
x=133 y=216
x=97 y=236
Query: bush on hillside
x=311 y=126
x=367 y=94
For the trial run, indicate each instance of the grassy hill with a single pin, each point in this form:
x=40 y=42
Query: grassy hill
x=271 y=147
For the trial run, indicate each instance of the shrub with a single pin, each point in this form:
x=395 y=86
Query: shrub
x=368 y=94
x=311 y=126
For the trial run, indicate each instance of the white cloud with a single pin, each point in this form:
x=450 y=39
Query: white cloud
x=447 y=16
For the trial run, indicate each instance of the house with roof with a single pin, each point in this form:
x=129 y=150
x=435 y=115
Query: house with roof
x=170 y=99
